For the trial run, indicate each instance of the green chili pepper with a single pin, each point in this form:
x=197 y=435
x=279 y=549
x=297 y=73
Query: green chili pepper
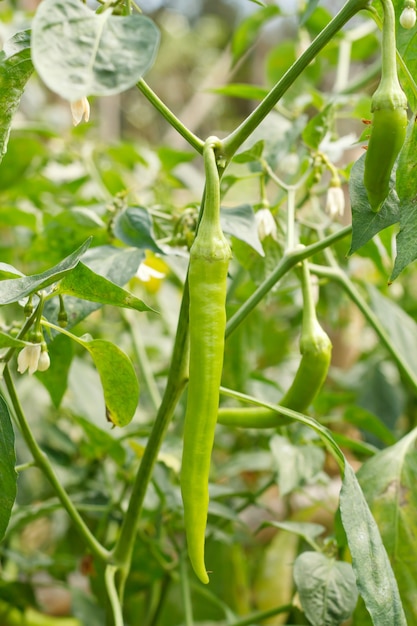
x=207 y=276
x=389 y=122
x=316 y=350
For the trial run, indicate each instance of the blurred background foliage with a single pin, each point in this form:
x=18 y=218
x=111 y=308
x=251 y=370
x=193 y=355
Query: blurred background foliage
x=60 y=185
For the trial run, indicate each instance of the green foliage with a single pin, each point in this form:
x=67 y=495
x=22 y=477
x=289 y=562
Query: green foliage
x=97 y=223
x=15 y=70
x=73 y=49
x=8 y=476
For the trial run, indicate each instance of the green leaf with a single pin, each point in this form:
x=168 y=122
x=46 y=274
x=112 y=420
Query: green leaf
x=78 y=52
x=365 y=222
x=15 y=70
x=401 y=328
x=118 y=378
x=14 y=289
x=100 y=443
x=253 y=153
x=240 y=222
x=133 y=226
x=374 y=576
x=116 y=264
x=247 y=32
x=8 y=476
x=406 y=182
x=238 y=90
x=317 y=128
x=367 y=421
x=406 y=237
x=327 y=588
x=83 y=283
x=55 y=378
x=389 y=482
x=297 y=465
x=8 y=271
x=306 y=530
x=10 y=342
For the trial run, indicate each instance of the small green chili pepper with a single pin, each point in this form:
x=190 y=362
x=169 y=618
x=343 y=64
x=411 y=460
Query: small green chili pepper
x=207 y=277
x=316 y=350
x=389 y=122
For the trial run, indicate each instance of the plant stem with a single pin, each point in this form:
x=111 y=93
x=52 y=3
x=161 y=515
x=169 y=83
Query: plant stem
x=240 y=134
x=389 y=74
x=323 y=432
x=288 y=261
x=177 y=379
x=172 y=119
x=338 y=275
x=44 y=465
x=109 y=577
x=185 y=593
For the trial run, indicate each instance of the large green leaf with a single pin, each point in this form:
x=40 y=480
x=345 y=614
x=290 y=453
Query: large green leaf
x=327 y=588
x=13 y=289
x=83 y=283
x=15 y=70
x=78 y=52
x=389 y=482
x=8 y=476
x=118 y=265
x=118 y=378
x=365 y=222
x=375 y=579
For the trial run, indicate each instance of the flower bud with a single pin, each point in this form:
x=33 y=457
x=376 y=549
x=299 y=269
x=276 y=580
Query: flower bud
x=266 y=224
x=335 y=203
x=80 y=109
x=408 y=18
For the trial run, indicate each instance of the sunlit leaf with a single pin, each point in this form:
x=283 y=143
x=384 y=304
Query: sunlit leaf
x=13 y=289
x=118 y=378
x=78 y=52
x=83 y=283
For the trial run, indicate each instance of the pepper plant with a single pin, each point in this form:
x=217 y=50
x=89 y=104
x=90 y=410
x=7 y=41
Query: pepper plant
x=207 y=402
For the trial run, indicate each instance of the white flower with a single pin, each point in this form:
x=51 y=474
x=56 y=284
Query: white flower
x=44 y=361
x=408 y=18
x=266 y=224
x=335 y=203
x=80 y=109
x=28 y=358
x=145 y=273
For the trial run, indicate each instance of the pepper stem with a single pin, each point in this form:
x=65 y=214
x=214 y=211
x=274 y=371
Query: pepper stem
x=389 y=92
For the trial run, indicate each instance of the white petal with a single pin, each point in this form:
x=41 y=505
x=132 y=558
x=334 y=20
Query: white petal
x=28 y=358
x=145 y=273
